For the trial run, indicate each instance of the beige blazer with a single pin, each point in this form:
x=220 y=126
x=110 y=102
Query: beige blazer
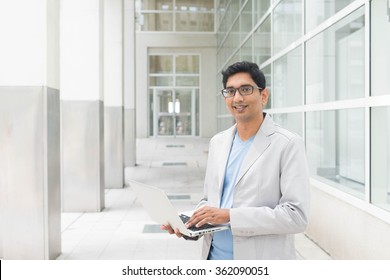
x=271 y=195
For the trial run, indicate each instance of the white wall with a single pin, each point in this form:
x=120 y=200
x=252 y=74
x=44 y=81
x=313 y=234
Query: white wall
x=346 y=231
x=29 y=36
x=81 y=50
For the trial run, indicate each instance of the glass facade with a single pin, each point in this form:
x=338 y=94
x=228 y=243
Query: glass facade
x=175 y=15
x=327 y=67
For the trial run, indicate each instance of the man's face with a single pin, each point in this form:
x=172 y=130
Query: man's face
x=249 y=107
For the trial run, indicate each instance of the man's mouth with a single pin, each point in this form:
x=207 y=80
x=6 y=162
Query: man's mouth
x=240 y=108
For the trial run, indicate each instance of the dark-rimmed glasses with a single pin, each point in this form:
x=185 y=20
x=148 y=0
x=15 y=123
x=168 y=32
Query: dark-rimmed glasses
x=243 y=90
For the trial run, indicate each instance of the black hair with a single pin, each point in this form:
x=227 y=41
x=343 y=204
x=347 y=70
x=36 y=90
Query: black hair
x=247 y=67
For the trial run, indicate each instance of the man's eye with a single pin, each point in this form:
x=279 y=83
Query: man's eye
x=230 y=91
x=245 y=89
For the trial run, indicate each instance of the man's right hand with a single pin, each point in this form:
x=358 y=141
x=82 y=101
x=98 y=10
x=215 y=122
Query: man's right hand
x=171 y=230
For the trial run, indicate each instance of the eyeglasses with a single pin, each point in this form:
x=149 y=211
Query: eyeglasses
x=243 y=90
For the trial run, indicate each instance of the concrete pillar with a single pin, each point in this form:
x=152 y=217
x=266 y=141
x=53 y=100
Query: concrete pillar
x=30 y=196
x=113 y=94
x=129 y=83
x=82 y=108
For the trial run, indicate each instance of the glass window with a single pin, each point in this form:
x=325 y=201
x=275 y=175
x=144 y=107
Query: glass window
x=320 y=10
x=335 y=149
x=246 y=20
x=187 y=64
x=380 y=157
x=268 y=79
x=335 y=61
x=157 y=22
x=160 y=64
x=380 y=46
x=260 y=8
x=190 y=16
x=263 y=42
x=287 y=22
x=174 y=94
x=291 y=121
x=287 y=80
x=246 y=50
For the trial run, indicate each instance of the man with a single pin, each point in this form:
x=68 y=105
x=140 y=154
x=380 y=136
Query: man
x=256 y=180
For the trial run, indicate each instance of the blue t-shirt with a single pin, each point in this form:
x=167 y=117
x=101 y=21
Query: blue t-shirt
x=222 y=243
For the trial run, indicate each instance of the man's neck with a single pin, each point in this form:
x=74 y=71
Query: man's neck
x=246 y=130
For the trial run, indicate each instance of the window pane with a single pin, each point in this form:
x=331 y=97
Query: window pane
x=160 y=81
x=335 y=61
x=335 y=149
x=187 y=81
x=260 y=8
x=157 y=22
x=287 y=23
x=161 y=5
x=195 y=5
x=202 y=22
x=380 y=46
x=246 y=50
x=290 y=121
x=320 y=10
x=268 y=79
x=160 y=64
x=246 y=20
x=187 y=64
x=263 y=42
x=287 y=83
x=380 y=157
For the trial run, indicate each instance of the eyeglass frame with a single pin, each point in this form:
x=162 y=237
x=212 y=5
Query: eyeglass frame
x=238 y=89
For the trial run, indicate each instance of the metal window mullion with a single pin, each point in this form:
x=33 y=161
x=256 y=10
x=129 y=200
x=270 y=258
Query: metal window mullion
x=367 y=113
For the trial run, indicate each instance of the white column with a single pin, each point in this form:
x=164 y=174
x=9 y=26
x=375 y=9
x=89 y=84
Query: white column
x=113 y=93
x=82 y=111
x=30 y=211
x=129 y=83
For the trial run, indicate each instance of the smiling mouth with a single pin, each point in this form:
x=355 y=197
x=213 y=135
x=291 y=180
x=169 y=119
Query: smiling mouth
x=240 y=108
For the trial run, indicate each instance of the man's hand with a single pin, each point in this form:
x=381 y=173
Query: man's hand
x=209 y=215
x=171 y=230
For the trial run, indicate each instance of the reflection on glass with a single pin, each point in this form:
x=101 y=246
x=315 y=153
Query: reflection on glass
x=263 y=42
x=187 y=81
x=246 y=50
x=161 y=5
x=380 y=46
x=287 y=22
x=335 y=149
x=160 y=81
x=291 y=121
x=268 y=79
x=187 y=64
x=287 y=83
x=380 y=157
x=260 y=8
x=335 y=61
x=160 y=64
x=320 y=10
x=246 y=20
x=200 y=22
x=157 y=22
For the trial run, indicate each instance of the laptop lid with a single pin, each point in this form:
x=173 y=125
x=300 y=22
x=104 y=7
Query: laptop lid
x=161 y=210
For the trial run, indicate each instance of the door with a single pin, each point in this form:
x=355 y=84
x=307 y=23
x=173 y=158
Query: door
x=174 y=111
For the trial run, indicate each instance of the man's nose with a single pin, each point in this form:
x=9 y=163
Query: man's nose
x=237 y=95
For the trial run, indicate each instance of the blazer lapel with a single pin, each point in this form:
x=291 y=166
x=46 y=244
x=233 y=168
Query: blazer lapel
x=223 y=157
x=259 y=145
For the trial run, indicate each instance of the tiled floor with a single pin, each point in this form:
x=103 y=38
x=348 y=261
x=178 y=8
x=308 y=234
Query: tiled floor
x=123 y=230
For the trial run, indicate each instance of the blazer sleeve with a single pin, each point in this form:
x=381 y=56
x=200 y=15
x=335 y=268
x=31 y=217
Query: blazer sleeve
x=290 y=215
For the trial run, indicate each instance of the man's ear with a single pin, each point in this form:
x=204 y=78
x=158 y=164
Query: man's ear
x=264 y=96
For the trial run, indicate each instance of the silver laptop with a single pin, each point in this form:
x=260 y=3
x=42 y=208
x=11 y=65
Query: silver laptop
x=161 y=210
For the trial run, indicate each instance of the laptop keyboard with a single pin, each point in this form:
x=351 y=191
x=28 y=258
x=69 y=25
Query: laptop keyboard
x=185 y=219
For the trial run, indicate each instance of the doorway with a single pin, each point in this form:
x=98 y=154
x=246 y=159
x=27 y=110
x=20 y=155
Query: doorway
x=174 y=111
